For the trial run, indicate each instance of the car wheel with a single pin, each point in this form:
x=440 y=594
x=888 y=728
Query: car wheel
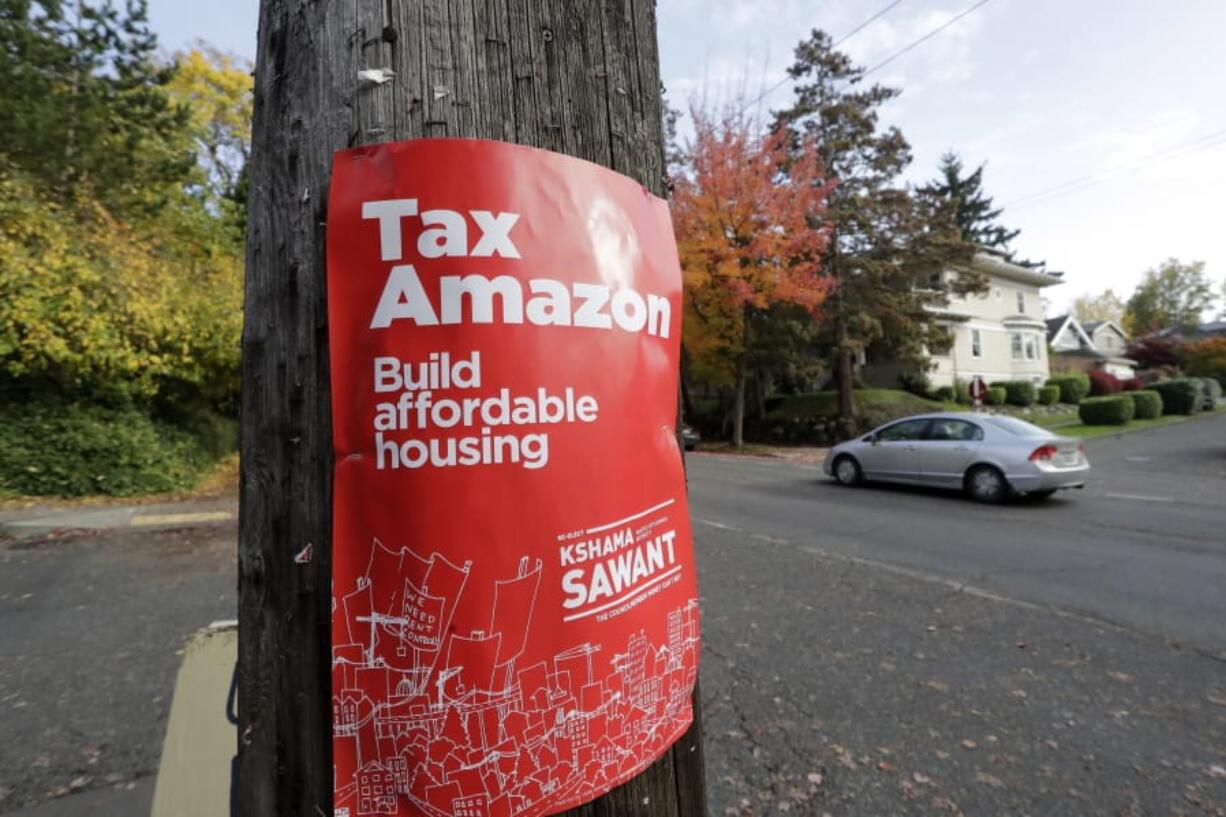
x=986 y=484
x=847 y=471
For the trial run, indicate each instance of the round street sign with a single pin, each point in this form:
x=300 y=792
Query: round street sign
x=979 y=389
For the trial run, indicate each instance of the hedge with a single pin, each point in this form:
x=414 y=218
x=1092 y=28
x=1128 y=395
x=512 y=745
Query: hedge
x=1073 y=387
x=1211 y=392
x=76 y=450
x=1049 y=395
x=1018 y=392
x=995 y=396
x=1148 y=404
x=1180 y=396
x=1112 y=410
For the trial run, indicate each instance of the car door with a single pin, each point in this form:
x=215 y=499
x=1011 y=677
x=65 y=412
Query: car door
x=894 y=452
x=948 y=448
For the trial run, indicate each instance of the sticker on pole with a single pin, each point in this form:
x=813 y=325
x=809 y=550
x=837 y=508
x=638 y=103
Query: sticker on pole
x=514 y=608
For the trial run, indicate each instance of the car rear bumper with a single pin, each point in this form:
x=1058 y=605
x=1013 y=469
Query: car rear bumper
x=1039 y=478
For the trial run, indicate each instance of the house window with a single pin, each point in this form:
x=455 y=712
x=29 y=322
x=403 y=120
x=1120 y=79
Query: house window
x=1021 y=302
x=1016 y=341
x=976 y=343
x=1032 y=348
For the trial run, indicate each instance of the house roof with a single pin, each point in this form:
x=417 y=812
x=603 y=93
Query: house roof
x=1054 y=325
x=994 y=264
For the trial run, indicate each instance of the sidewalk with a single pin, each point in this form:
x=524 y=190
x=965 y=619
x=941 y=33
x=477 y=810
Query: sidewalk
x=43 y=521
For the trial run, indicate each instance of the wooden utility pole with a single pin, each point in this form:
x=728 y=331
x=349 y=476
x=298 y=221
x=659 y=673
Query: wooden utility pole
x=579 y=77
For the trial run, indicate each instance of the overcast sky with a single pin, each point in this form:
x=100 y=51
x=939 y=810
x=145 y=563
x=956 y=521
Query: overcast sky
x=1130 y=96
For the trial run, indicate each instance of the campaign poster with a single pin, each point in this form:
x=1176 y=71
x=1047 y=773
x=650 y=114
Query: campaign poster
x=514 y=618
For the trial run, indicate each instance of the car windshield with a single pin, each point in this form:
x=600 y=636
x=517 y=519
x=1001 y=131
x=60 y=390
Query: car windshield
x=1018 y=428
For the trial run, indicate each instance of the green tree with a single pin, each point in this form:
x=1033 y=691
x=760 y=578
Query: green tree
x=890 y=245
x=215 y=89
x=85 y=104
x=1172 y=295
x=972 y=208
x=1106 y=306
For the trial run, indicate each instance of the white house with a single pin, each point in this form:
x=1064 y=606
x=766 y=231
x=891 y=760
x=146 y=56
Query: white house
x=998 y=334
x=1084 y=347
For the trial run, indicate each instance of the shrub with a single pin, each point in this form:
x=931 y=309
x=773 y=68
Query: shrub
x=1073 y=387
x=1148 y=404
x=1132 y=384
x=962 y=392
x=1108 y=410
x=996 y=396
x=915 y=382
x=1049 y=395
x=945 y=393
x=1211 y=392
x=1020 y=393
x=1181 y=396
x=1103 y=383
x=75 y=450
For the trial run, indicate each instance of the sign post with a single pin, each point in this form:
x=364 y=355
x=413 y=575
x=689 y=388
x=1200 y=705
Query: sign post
x=580 y=79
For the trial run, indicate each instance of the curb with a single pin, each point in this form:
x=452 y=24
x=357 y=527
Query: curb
x=23 y=526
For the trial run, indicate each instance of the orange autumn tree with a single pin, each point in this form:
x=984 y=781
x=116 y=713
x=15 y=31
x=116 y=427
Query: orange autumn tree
x=744 y=209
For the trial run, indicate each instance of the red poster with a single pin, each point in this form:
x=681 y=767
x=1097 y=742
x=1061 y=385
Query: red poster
x=515 y=620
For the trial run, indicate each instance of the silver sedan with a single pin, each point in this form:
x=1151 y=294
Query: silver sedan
x=988 y=456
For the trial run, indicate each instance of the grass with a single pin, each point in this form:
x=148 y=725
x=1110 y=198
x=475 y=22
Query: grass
x=826 y=403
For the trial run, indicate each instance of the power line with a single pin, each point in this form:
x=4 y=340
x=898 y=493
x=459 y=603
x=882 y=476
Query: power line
x=926 y=37
x=1203 y=142
x=835 y=44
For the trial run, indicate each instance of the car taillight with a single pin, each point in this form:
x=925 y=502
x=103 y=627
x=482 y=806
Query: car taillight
x=1044 y=452
x=1081 y=446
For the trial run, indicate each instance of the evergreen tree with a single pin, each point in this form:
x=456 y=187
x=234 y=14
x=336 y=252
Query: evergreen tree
x=973 y=210
x=84 y=103
x=888 y=243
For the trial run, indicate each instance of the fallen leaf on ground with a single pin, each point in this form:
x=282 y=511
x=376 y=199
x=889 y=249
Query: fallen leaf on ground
x=814 y=778
x=1217 y=700
x=1216 y=772
x=1122 y=677
x=884 y=766
x=969 y=744
x=938 y=686
x=921 y=778
x=990 y=780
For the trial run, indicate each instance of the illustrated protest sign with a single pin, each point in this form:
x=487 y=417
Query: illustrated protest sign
x=515 y=623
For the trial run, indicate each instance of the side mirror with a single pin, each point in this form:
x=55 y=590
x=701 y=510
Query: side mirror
x=871 y=438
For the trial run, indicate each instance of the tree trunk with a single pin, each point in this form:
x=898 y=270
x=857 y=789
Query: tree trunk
x=846 y=384
x=738 y=408
x=574 y=76
x=687 y=400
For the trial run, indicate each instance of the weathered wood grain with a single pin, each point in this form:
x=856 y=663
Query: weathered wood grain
x=575 y=76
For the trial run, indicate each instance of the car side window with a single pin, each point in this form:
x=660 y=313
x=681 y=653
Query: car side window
x=959 y=430
x=906 y=430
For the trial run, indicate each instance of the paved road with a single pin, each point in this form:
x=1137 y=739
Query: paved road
x=92 y=629
x=1144 y=545
x=848 y=668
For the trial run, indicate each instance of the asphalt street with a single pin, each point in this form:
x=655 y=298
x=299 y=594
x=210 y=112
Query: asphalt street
x=879 y=651
x=866 y=651
x=1143 y=545
x=92 y=630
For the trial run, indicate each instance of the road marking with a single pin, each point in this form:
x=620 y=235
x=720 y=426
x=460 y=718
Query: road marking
x=1140 y=497
x=714 y=524
x=1138 y=459
x=181 y=518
